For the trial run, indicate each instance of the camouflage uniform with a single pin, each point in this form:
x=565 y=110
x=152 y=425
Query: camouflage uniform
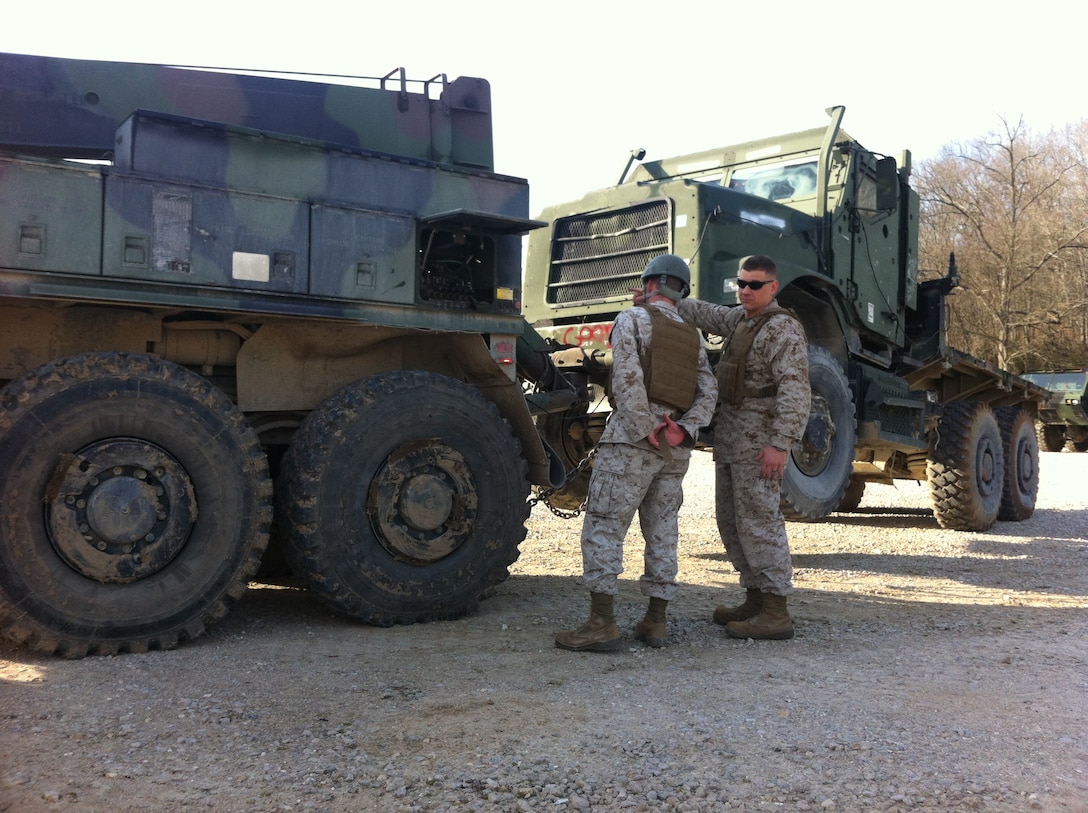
x=629 y=474
x=749 y=515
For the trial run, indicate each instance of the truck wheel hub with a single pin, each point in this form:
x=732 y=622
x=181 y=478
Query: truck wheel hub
x=426 y=502
x=422 y=502
x=817 y=442
x=120 y=510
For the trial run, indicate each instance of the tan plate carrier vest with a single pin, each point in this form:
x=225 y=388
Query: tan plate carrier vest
x=671 y=367
x=733 y=366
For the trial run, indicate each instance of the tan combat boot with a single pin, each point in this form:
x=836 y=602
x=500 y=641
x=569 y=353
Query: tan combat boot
x=651 y=629
x=751 y=607
x=772 y=624
x=599 y=633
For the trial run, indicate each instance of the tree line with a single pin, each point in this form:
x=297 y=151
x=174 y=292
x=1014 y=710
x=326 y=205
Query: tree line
x=1013 y=207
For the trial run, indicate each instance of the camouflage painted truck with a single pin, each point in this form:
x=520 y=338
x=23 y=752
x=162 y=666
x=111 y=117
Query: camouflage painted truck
x=1063 y=419
x=264 y=278
x=891 y=400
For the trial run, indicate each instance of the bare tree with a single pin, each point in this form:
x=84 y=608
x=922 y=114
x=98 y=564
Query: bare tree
x=1014 y=208
x=1071 y=333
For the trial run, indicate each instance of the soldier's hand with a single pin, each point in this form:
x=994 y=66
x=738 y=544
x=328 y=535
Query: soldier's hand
x=638 y=296
x=774 y=463
x=653 y=438
x=675 y=434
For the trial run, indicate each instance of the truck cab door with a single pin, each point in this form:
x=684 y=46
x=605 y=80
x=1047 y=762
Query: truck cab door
x=878 y=267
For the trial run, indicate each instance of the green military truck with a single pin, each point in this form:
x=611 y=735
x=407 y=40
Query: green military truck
x=891 y=400
x=1063 y=418
x=247 y=279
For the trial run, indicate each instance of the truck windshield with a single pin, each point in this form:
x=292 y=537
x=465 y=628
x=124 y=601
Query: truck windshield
x=1059 y=382
x=777 y=181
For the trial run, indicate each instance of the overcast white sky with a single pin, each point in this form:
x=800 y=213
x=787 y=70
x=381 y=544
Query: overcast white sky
x=576 y=85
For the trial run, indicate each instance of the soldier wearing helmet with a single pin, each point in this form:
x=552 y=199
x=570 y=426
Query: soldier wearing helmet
x=663 y=391
x=662 y=268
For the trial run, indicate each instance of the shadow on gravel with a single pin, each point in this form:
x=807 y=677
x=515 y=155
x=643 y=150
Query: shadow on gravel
x=901 y=517
x=1070 y=547
x=1028 y=572
x=884 y=518
x=523 y=613
x=529 y=608
x=1020 y=565
x=290 y=609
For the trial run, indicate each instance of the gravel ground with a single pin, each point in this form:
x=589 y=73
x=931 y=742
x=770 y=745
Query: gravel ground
x=932 y=670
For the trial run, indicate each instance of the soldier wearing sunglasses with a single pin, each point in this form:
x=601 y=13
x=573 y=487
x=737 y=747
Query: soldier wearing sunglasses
x=762 y=409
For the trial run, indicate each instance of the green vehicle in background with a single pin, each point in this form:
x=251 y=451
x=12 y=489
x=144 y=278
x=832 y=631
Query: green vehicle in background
x=1064 y=418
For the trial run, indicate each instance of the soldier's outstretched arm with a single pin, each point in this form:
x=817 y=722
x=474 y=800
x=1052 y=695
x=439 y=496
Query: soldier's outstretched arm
x=706 y=315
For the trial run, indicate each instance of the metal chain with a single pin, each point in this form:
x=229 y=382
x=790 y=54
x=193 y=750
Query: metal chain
x=546 y=493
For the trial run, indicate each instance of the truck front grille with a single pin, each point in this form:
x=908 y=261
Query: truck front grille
x=600 y=255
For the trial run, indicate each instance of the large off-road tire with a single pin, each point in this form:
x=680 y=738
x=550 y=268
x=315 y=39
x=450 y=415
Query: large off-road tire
x=820 y=465
x=135 y=504
x=405 y=498
x=1051 y=436
x=1020 y=447
x=851 y=499
x=966 y=468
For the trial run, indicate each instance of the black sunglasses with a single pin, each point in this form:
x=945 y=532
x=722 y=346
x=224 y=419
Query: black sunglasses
x=754 y=284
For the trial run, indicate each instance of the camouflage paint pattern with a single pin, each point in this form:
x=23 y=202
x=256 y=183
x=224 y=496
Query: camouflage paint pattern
x=748 y=508
x=1068 y=401
x=208 y=215
x=629 y=475
x=244 y=200
x=71 y=107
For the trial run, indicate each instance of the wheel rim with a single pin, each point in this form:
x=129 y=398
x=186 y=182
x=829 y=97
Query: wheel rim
x=1025 y=465
x=119 y=510
x=818 y=442
x=986 y=479
x=422 y=502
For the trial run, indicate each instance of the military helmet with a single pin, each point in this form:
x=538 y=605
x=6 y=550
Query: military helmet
x=671 y=266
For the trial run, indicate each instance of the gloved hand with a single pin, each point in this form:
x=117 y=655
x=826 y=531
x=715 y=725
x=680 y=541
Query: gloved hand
x=674 y=433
